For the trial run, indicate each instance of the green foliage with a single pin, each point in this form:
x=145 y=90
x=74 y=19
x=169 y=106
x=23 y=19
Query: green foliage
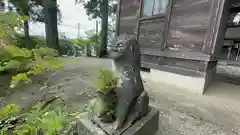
x=106 y=80
x=37 y=41
x=105 y=102
x=21 y=61
x=8 y=117
x=100 y=9
x=33 y=41
x=8 y=23
x=42 y=117
x=94 y=8
x=31 y=8
x=13 y=58
x=81 y=42
x=91 y=39
x=27 y=62
x=22 y=7
x=16 y=53
x=67 y=46
x=39 y=119
x=44 y=51
x=8 y=110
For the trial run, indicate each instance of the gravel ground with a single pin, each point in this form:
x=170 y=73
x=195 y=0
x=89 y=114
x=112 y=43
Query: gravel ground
x=74 y=84
x=181 y=113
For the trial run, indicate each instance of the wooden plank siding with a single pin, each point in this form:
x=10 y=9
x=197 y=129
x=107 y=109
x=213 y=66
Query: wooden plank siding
x=151 y=34
x=178 y=48
x=181 y=41
x=127 y=22
x=188 y=25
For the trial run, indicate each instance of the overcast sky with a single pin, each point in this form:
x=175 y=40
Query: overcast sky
x=72 y=14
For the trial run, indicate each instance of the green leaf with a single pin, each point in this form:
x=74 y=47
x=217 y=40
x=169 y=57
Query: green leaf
x=8 y=110
x=17 y=78
x=25 y=18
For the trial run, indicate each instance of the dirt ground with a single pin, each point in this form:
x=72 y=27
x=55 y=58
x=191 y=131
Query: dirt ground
x=181 y=113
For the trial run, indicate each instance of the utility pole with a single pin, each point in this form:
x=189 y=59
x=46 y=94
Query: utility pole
x=78 y=37
x=97 y=27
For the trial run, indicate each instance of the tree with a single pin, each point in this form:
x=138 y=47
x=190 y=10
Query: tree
x=33 y=10
x=9 y=23
x=23 y=8
x=104 y=29
x=51 y=24
x=100 y=9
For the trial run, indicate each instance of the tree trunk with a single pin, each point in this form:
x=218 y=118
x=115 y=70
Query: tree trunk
x=104 y=29
x=26 y=34
x=51 y=28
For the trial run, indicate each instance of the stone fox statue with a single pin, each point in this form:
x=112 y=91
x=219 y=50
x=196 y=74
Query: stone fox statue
x=132 y=100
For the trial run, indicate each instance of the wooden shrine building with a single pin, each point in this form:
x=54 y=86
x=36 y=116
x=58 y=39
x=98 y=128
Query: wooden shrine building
x=182 y=41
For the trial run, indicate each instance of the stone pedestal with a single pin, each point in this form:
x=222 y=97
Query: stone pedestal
x=148 y=125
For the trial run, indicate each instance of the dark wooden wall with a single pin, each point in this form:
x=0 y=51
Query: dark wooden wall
x=188 y=25
x=235 y=3
x=127 y=16
x=151 y=33
x=183 y=40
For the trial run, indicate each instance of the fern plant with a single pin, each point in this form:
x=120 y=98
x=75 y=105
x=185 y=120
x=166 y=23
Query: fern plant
x=106 y=80
x=8 y=110
x=8 y=118
x=43 y=118
x=47 y=121
x=105 y=102
x=28 y=62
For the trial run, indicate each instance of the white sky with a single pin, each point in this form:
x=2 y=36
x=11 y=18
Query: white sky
x=72 y=14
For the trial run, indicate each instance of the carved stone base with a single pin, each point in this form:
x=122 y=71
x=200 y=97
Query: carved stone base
x=148 y=125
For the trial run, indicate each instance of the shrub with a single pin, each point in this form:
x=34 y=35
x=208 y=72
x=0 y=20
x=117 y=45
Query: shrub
x=105 y=102
x=26 y=62
x=42 y=117
x=106 y=81
x=33 y=41
x=14 y=58
x=8 y=23
x=8 y=117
